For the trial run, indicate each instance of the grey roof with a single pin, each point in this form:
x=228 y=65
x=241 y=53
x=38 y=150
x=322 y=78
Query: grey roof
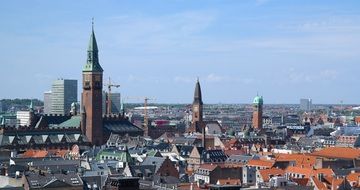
x=214 y=156
x=241 y=158
x=184 y=140
x=156 y=161
x=144 y=170
x=121 y=126
x=184 y=150
x=45 y=180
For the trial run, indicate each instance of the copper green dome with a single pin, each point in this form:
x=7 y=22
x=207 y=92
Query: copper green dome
x=258 y=100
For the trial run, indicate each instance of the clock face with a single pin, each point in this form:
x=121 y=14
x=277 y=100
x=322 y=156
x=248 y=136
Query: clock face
x=196 y=108
x=97 y=78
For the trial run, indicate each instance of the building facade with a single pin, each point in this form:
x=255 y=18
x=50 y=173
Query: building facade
x=63 y=93
x=115 y=103
x=305 y=104
x=47 y=102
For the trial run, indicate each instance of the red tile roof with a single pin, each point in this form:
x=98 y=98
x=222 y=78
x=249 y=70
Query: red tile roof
x=339 y=153
x=353 y=179
x=300 y=160
x=209 y=167
x=35 y=153
x=266 y=173
x=229 y=182
x=260 y=163
x=309 y=172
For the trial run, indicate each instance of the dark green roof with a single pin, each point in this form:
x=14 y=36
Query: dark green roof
x=92 y=64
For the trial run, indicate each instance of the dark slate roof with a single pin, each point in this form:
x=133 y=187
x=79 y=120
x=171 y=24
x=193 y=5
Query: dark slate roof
x=156 y=161
x=91 y=181
x=121 y=126
x=57 y=165
x=144 y=170
x=184 y=150
x=55 y=119
x=214 y=156
x=184 y=140
x=45 y=180
x=163 y=146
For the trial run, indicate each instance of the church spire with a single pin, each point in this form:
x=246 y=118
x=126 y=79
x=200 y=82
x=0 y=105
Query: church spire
x=197 y=94
x=92 y=64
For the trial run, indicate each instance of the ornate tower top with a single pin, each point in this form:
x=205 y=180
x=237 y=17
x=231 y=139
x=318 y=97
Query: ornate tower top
x=197 y=94
x=258 y=100
x=92 y=64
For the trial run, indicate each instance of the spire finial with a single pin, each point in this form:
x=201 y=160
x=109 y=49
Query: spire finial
x=92 y=23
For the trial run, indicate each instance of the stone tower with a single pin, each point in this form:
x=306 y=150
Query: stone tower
x=257 y=112
x=92 y=124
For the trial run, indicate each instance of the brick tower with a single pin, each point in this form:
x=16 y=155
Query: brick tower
x=92 y=124
x=257 y=112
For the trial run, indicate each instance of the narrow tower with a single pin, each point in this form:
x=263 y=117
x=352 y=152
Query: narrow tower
x=197 y=106
x=92 y=94
x=257 y=112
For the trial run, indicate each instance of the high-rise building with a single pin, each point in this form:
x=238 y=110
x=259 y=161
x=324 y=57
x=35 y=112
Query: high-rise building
x=47 y=102
x=257 y=112
x=115 y=103
x=92 y=121
x=63 y=93
x=305 y=104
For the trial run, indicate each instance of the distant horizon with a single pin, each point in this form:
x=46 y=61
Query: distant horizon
x=219 y=103
x=283 y=50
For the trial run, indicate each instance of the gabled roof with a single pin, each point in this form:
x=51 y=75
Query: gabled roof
x=299 y=159
x=267 y=173
x=156 y=161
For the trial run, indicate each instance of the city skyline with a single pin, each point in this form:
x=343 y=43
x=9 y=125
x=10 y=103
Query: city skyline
x=236 y=49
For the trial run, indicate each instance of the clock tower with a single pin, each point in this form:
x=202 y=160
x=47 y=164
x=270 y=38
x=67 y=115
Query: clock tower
x=92 y=124
x=197 y=106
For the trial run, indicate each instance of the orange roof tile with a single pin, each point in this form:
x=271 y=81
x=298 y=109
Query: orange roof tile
x=309 y=172
x=338 y=152
x=261 y=163
x=229 y=182
x=266 y=173
x=35 y=153
x=300 y=181
x=353 y=179
x=299 y=159
x=209 y=167
x=318 y=184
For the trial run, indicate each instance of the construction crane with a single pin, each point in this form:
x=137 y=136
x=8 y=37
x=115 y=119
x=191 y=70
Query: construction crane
x=108 y=98
x=146 y=117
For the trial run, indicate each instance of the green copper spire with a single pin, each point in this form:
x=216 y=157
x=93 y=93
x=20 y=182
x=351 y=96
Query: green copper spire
x=92 y=64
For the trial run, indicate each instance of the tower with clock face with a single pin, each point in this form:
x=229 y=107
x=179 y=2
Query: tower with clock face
x=92 y=125
x=197 y=106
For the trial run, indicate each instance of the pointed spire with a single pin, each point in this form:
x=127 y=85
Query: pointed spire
x=92 y=58
x=31 y=107
x=197 y=94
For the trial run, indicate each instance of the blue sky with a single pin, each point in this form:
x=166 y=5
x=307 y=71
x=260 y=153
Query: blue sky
x=284 y=50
